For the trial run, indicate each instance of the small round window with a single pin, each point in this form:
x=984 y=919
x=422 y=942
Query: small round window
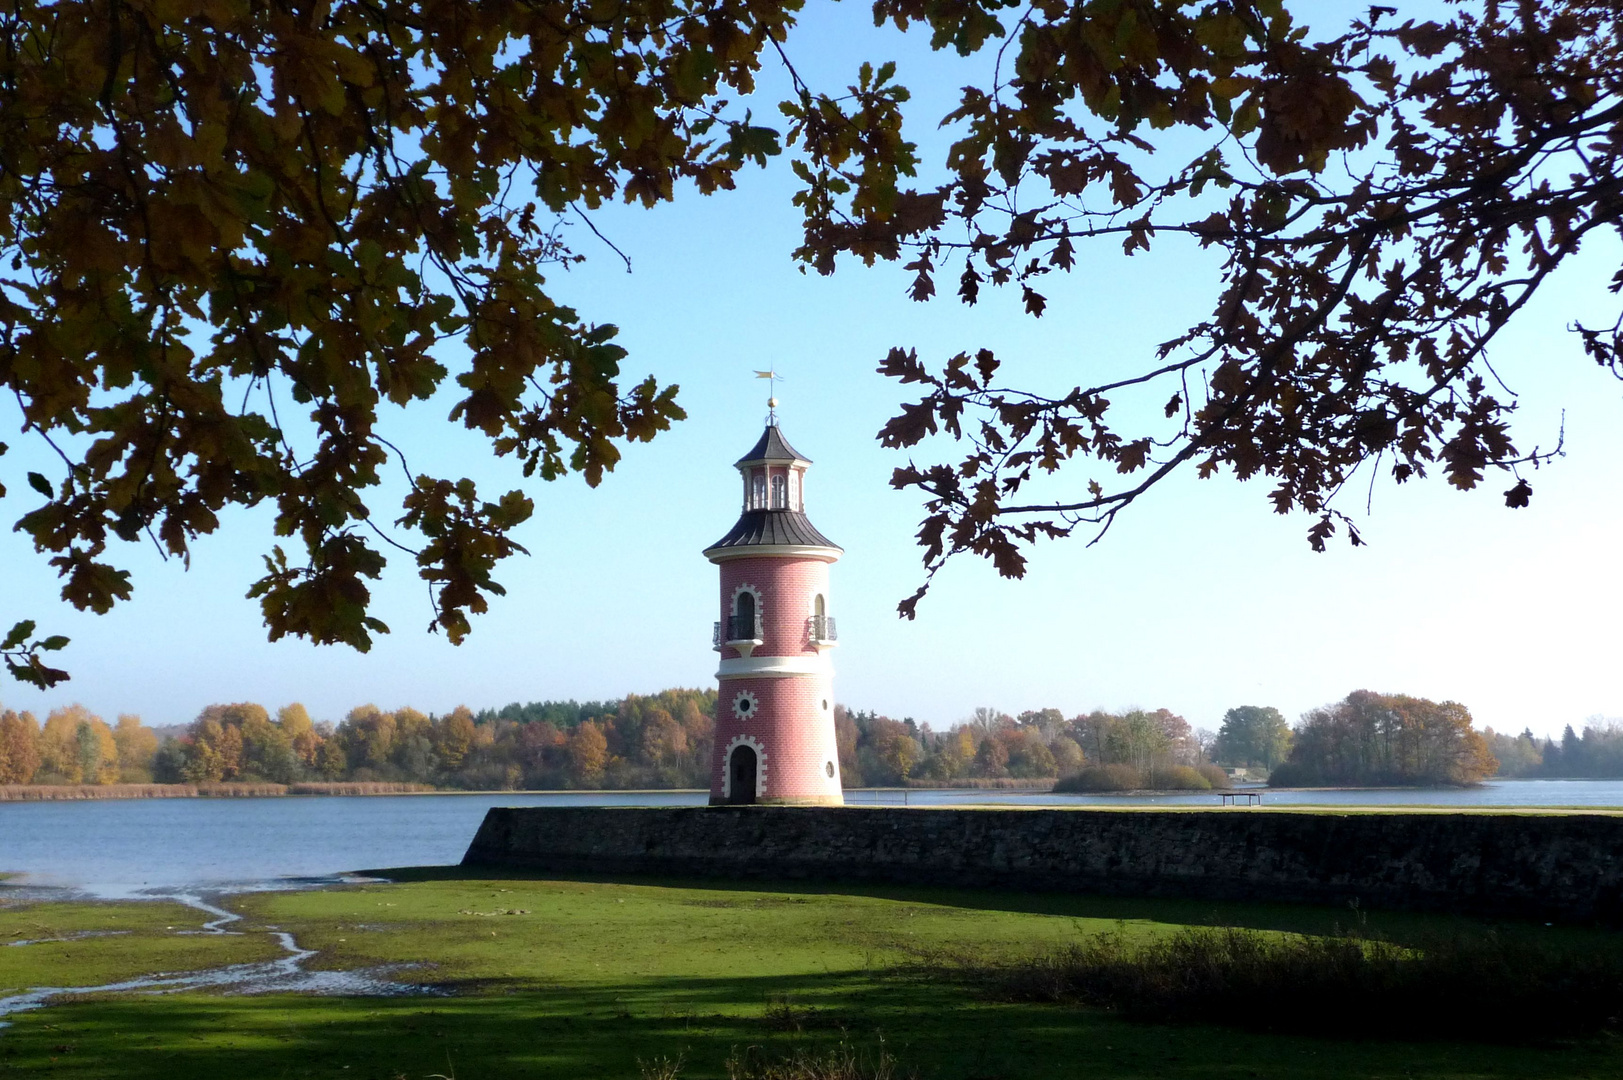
x=829 y=768
x=825 y=704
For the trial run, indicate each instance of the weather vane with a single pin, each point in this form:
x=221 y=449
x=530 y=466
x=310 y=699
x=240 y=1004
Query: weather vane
x=772 y=377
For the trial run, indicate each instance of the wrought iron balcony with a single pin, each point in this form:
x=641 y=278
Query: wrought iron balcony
x=823 y=631
x=738 y=628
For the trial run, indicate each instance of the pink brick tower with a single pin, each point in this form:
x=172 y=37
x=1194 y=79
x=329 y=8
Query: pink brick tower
x=775 y=717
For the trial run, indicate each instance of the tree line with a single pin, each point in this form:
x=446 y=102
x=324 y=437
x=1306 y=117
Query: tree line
x=661 y=740
x=1090 y=751
x=664 y=740
x=1596 y=754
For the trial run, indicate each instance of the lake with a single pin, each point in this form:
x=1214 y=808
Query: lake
x=134 y=847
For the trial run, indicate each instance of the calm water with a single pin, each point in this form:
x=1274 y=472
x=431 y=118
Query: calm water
x=130 y=847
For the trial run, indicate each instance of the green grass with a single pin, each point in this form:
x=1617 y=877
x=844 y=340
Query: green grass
x=127 y=940
x=595 y=976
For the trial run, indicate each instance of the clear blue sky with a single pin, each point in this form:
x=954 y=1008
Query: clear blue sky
x=1199 y=599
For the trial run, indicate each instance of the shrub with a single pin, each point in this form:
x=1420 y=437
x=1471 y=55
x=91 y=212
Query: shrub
x=1102 y=778
x=1181 y=778
x=1215 y=777
x=843 y=1062
x=1489 y=987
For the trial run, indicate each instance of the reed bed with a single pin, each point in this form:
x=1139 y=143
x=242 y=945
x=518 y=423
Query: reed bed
x=74 y=792
x=222 y=790
x=358 y=787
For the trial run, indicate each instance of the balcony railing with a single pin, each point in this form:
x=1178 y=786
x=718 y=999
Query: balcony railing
x=823 y=631
x=737 y=628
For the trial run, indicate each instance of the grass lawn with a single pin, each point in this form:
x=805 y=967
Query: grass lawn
x=589 y=978
x=78 y=944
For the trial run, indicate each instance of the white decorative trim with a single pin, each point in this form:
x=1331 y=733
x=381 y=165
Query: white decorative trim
x=727 y=765
x=774 y=667
x=781 y=551
x=746 y=705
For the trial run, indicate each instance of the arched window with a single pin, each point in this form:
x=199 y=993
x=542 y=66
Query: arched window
x=794 y=489
x=757 y=490
x=780 y=493
x=745 y=621
x=819 y=607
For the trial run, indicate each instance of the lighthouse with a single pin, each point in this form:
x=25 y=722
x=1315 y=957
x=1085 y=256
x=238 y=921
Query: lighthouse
x=775 y=713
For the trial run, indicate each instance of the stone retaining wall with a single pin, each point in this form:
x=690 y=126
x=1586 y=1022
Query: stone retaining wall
x=1550 y=866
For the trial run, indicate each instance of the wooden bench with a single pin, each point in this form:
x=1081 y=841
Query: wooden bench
x=1252 y=798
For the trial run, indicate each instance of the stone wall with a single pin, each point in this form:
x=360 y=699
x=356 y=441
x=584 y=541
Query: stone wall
x=1566 y=867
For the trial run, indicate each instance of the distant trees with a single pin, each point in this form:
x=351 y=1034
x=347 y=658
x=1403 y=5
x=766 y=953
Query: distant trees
x=75 y=747
x=1372 y=739
x=588 y=754
x=1518 y=755
x=137 y=746
x=19 y=747
x=665 y=740
x=658 y=741
x=990 y=745
x=1597 y=753
x=1253 y=735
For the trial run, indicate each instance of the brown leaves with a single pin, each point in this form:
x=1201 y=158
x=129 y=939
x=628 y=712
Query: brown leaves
x=21 y=652
x=325 y=600
x=916 y=421
x=1359 y=292
x=466 y=539
x=226 y=212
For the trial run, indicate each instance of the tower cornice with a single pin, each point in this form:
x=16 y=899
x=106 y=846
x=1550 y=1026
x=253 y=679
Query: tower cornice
x=775 y=551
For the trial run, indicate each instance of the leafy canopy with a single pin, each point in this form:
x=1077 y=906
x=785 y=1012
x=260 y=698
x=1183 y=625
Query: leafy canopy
x=235 y=230
x=1384 y=202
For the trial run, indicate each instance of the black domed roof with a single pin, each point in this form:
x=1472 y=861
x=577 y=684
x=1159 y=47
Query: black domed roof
x=772 y=446
x=773 y=528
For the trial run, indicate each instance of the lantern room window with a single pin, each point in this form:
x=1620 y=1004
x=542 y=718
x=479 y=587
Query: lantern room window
x=780 y=492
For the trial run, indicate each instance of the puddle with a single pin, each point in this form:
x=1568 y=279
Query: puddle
x=284 y=975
